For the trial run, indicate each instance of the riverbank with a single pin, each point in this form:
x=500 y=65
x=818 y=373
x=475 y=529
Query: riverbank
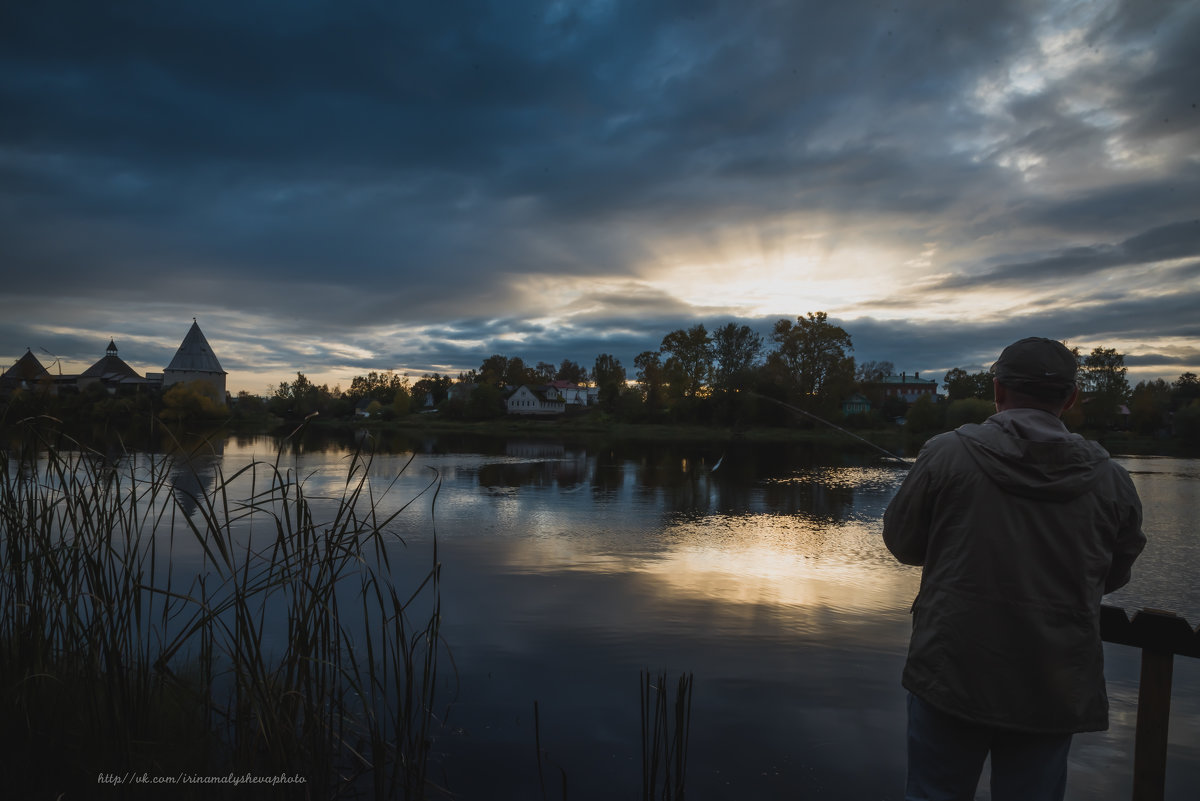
x=895 y=439
x=587 y=429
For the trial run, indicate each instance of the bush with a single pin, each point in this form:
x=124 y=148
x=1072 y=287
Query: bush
x=968 y=410
x=1187 y=424
x=191 y=401
x=924 y=414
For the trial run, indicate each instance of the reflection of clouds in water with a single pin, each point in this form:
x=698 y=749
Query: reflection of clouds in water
x=780 y=560
x=772 y=585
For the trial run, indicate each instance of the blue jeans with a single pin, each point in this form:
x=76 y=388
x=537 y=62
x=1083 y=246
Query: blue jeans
x=946 y=755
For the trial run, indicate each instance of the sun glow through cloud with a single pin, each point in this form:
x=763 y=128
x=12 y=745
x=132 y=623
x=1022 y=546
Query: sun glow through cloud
x=577 y=179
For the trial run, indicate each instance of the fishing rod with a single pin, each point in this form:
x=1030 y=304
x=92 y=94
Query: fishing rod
x=834 y=426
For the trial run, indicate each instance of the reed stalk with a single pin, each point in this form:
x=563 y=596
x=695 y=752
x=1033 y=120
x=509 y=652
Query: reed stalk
x=665 y=736
x=289 y=652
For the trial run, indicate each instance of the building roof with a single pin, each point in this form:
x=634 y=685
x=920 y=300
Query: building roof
x=111 y=368
x=904 y=378
x=195 y=355
x=26 y=368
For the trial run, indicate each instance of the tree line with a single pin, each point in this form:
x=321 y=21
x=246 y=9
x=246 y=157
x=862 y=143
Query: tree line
x=734 y=376
x=694 y=376
x=730 y=376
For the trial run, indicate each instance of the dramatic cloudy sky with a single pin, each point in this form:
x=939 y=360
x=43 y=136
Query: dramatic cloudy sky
x=335 y=187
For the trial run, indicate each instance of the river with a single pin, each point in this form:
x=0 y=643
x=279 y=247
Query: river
x=568 y=568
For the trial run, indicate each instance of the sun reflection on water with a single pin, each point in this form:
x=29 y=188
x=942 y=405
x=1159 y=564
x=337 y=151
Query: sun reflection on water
x=780 y=560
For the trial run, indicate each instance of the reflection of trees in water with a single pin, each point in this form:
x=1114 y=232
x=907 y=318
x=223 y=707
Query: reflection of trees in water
x=536 y=464
x=794 y=478
x=680 y=474
x=608 y=473
x=798 y=478
x=810 y=494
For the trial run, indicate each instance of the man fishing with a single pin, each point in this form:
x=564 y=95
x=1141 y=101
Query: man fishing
x=1020 y=527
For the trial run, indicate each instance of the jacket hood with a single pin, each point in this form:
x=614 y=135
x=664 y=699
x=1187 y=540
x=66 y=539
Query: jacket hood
x=1031 y=453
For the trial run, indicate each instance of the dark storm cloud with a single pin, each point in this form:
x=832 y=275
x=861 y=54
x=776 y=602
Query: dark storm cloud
x=935 y=347
x=332 y=170
x=1179 y=240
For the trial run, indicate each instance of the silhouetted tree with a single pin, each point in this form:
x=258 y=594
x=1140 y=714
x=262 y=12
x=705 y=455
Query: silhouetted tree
x=1149 y=405
x=736 y=350
x=651 y=380
x=570 y=371
x=873 y=372
x=813 y=354
x=1102 y=381
x=609 y=376
x=960 y=385
x=689 y=360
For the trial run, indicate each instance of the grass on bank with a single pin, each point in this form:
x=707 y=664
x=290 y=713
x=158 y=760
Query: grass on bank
x=115 y=664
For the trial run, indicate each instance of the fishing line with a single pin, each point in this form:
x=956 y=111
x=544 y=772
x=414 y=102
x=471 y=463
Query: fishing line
x=834 y=426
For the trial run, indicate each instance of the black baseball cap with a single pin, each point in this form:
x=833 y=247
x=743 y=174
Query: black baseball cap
x=1037 y=363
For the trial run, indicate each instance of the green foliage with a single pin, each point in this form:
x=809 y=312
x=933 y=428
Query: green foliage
x=486 y=403
x=192 y=400
x=736 y=350
x=302 y=399
x=812 y=356
x=1187 y=424
x=924 y=414
x=893 y=407
x=689 y=361
x=402 y=402
x=571 y=371
x=110 y=665
x=1103 y=373
x=501 y=371
x=960 y=385
x=248 y=406
x=1102 y=383
x=1149 y=406
x=435 y=388
x=379 y=386
x=1184 y=390
x=652 y=381
x=968 y=410
x=609 y=376
x=873 y=371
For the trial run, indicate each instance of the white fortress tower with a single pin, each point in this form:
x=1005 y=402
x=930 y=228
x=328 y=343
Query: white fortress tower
x=195 y=361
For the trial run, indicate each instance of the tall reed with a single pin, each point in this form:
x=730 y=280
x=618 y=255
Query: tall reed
x=290 y=651
x=665 y=737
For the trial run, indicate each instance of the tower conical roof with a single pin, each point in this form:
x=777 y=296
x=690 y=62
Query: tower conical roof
x=194 y=354
x=27 y=367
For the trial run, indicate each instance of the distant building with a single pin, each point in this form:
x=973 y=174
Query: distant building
x=856 y=404
x=111 y=372
x=195 y=361
x=904 y=386
x=572 y=394
x=528 y=400
x=27 y=373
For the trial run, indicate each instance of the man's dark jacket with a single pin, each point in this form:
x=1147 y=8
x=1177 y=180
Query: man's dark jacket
x=1021 y=528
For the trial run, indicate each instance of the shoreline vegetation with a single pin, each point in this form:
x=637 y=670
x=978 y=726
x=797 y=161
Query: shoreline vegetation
x=591 y=426
x=233 y=637
x=115 y=666
x=896 y=438
x=726 y=385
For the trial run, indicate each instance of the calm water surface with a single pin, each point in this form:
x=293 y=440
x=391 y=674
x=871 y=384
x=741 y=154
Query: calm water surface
x=568 y=569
